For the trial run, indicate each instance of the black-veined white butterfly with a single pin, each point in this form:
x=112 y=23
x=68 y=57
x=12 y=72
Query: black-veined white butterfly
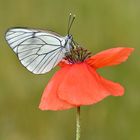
x=39 y=50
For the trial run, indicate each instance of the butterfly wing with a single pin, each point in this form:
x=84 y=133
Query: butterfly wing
x=39 y=51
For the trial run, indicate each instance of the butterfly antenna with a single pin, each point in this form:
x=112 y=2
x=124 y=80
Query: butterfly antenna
x=70 y=22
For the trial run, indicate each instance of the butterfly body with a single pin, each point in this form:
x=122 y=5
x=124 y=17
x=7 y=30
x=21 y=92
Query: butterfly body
x=38 y=50
x=68 y=43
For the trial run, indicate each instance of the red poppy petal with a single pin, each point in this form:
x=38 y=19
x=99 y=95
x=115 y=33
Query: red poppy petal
x=113 y=88
x=82 y=86
x=63 y=63
x=50 y=99
x=109 y=57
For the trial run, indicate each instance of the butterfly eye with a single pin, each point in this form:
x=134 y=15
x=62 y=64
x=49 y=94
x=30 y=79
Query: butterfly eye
x=70 y=37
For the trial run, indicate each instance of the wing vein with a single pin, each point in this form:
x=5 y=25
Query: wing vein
x=39 y=51
x=49 y=61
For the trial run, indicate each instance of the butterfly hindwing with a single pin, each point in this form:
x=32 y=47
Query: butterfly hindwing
x=38 y=51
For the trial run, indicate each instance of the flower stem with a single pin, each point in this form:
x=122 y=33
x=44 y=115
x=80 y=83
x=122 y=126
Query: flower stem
x=78 y=124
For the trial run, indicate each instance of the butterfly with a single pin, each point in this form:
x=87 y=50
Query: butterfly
x=39 y=50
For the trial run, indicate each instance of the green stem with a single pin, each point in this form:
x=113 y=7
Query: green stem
x=78 y=124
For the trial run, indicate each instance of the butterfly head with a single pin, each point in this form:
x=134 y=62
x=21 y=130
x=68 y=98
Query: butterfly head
x=69 y=42
x=70 y=37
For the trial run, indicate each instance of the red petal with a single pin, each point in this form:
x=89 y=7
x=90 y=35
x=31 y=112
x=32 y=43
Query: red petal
x=82 y=86
x=113 y=88
x=109 y=57
x=50 y=99
x=63 y=63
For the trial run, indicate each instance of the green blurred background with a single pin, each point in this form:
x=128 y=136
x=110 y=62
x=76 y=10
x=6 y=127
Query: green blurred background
x=99 y=25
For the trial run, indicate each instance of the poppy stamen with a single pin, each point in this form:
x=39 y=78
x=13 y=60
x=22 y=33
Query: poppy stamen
x=77 y=55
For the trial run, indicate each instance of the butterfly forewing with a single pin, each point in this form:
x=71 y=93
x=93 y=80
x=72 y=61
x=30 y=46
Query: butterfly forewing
x=39 y=51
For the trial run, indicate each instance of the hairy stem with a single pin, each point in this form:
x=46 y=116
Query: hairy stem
x=78 y=124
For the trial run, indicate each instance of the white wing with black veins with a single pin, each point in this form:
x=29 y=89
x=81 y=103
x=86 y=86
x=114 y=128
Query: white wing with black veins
x=39 y=51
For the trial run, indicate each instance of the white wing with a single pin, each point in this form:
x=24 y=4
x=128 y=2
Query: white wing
x=39 y=51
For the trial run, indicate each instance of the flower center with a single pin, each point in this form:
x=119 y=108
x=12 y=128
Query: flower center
x=77 y=55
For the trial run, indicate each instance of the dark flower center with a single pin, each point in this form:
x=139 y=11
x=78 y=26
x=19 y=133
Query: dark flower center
x=77 y=55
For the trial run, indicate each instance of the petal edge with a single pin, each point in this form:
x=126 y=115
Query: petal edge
x=109 y=57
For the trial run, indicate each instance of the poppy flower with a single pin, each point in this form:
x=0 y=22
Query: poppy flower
x=78 y=83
